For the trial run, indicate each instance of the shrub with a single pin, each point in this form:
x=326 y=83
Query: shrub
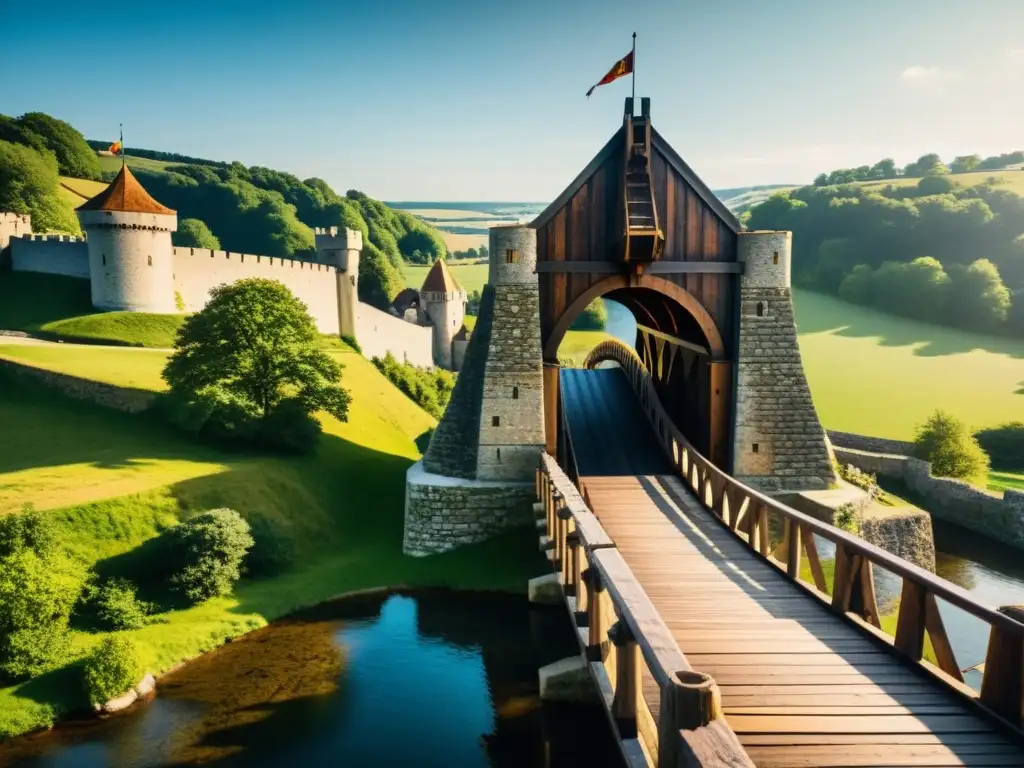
x=351 y=341
x=847 y=518
x=37 y=595
x=429 y=388
x=112 y=669
x=953 y=452
x=116 y=605
x=1004 y=445
x=179 y=303
x=28 y=530
x=862 y=480
x=593 y=318
x=208 y=551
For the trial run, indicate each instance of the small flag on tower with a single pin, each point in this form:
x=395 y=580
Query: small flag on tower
x=115 y=148
x=622 y=67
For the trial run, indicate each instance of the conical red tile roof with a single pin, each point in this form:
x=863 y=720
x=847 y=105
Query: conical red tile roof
x=440 y=279
x=125 y=194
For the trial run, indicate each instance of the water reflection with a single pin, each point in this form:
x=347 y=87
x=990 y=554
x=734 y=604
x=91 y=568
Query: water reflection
x=430 y=680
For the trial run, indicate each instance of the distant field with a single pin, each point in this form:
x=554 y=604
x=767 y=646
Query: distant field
x=443 y=213
x=457 y=242
x=1005 y=481
x=470 y=276
x=1010 y=180
x=112 y=163
x=882 y=375
x=77 y=191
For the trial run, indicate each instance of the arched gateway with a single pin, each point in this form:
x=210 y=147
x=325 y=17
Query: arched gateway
x=712 y=305
x=715 y=329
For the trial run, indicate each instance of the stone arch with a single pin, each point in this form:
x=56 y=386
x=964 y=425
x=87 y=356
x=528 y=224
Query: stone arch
x=681 y=296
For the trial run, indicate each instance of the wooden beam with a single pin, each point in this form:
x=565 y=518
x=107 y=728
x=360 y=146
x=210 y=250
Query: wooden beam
x=672 y=339
x=657 y=268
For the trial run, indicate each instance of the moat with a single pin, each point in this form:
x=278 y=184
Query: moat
x=431 y=679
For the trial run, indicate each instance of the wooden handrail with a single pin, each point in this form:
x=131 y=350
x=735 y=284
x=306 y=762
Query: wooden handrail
x=690 y=730
x=745 y=511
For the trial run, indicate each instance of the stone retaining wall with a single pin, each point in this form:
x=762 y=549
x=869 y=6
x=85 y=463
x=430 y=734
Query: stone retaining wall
x=952 y=500
x=868 y=443
x=905 y=532
x=107 y=395
x=442 y=513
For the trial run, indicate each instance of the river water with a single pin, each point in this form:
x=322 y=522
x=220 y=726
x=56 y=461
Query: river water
x=430 y=679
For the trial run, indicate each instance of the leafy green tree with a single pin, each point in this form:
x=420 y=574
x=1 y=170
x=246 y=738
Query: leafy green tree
x=28 y=530
x=926 y=165
x=935 y=185
x=113 y=668
x=977 y=295
x=835 y=260
x=965 y=164
x=193 y=233
x=918 y=289
x=593 y=318
x=209 y=550
x=250 y=367
x=379 y=281
x=884 y=169
x=858 y=286
x=952 y=450
x=28 y=184
x=74 y=155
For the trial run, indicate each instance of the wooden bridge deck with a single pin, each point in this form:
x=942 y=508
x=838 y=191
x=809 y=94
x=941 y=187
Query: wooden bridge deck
x=801 y=687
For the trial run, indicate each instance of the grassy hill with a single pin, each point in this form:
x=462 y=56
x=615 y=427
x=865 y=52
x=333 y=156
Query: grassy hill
x=112 y=163
x=1011 y=180
x=112 y=481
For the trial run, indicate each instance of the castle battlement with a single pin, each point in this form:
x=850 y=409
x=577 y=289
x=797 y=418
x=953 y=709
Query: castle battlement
x=49 y=238
x=248 y=258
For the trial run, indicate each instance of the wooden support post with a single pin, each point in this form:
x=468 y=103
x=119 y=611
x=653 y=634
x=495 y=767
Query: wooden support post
x=1002 y=687
x=842 y=587
x=910 y=621
x=564 y=528
x=627 y=679
x=940 y=640
x=868 y=596
x=572 y=583
x=689 y=700
x=811 y=548
x=551 y=416
x=595 y=619
x=793 y=549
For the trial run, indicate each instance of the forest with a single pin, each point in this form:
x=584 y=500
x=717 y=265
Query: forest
x=936 y=250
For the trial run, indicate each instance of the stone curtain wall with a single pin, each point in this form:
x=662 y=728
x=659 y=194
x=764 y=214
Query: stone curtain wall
x=512 y=420
x=905 y=532
x=442 y=513
x=379 y=333
x=947 y=499
x=774 y=409
x=873 y=444
x=107 y=395
x=51 y=255
x=453 y=447
x=197 y=271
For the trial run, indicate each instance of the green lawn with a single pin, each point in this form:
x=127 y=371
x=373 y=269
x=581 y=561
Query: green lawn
x=882 y=375
x=471 y=276
x=113 y=480
x=60 y=307
x=1012 y=181
x=113 y=163
x=1004 y=481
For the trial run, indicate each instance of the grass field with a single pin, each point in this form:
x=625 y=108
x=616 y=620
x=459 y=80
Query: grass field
x=1006 y=481
x=1009 y=180
x=60 y=306
x=471 y=276
x=112 y=163
x=882 y=375
x=113 y=480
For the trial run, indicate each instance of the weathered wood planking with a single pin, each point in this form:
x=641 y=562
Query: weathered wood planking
x=799 y=686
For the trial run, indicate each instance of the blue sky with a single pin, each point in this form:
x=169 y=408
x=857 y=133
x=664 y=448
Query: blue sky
x=482 y=100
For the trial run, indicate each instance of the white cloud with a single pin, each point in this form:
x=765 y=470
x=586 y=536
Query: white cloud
x=919 y=75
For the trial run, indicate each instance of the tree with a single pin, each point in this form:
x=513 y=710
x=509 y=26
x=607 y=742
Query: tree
x=74 y=155
x=884 y=169
x=821 y=180
x=28 y=184
x=112 y=669
x=917 y=289
x=935 y=185
x=193 y=233
x=926 y=165
x=953 y=452
x=965 y=164
x=858 y=286
x=835 y=260
x=593 y=318
x=379 y=281
x=977 y=295
x=250 y=367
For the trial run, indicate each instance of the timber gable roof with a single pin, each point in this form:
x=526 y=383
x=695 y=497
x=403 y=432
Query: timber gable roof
x=671 y=156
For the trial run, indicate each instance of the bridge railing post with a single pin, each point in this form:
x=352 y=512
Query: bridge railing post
x=595 y=618
x=627 y=679
x=1002 y=685
x=565 y=551
x=689 y=700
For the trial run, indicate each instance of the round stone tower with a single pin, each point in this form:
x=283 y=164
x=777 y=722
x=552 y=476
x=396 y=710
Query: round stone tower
x=444 y=304
x=340 y=247
x=513 y=255
x=131 y=259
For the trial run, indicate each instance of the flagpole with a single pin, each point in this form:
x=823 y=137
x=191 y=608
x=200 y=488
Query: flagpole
x=634 y=66
x=121 y=126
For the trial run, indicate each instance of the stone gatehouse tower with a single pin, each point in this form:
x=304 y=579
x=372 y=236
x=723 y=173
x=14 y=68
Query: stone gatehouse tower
x=477 y=476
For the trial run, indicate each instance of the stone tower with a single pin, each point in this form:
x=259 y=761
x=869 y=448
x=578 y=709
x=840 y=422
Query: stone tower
x=477 y=476
x=131 y=259
x=778 y=442
x=341 y=248
x=443 y=304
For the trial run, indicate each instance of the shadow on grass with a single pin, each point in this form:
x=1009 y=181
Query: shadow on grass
x=820 y=313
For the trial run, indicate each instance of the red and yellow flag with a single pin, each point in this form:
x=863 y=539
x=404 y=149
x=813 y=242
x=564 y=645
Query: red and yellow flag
x=115 y=148
x=622 y=67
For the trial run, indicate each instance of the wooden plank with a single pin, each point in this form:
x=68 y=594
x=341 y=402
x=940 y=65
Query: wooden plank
x=902 y=724
x=840 y=739
x=893 y=755
x=715 y=746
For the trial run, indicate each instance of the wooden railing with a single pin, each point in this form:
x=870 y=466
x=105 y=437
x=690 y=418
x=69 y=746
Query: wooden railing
x=851 y=593
x=620 y=630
